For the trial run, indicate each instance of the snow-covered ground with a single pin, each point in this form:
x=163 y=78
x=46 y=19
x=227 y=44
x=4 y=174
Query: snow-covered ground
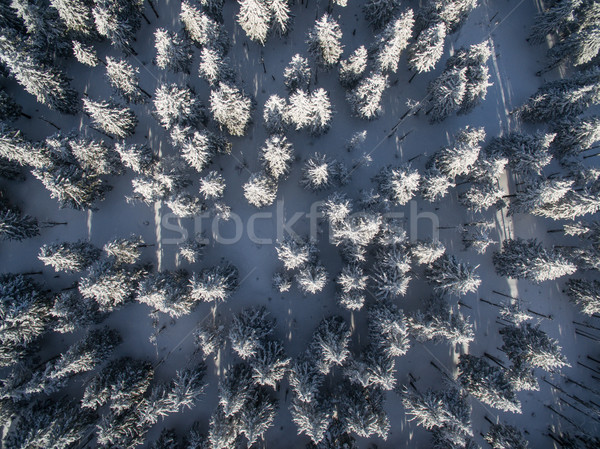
x=259 y=71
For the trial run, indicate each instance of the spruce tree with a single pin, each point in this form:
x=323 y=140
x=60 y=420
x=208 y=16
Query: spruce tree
x=173 y=52
x=85 y=54
x=527 y=154
x=260 y=190
x=296 y=74
x=586 y=294
x=276 y=156
x=125 y=250
x=353 y=68
x=428 y=48
x=212 y=185
x=49 y=86
x=379 y=12
x=231 y=109
x=501 y=436
x=254 y=18
x=562 y=99
x=214 y=68
x=398 y=184
x=528 y=259
x=214 y=284
x=576 y=135
x=111 y=118
x=203 y=29
x=274 y=114
x=460 y=158
x=168 y=292
x=76 y=14
x=487 y=383
x=248 y=331
x=72 y=312
x=118 y=21
x=69 y=256
x=175 y=105
x=324 y=41
x=392 y=41
x=16 y=226
x=365 y=98
x=124 y=78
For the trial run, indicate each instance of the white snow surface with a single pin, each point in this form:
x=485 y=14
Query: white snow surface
x=513 y=66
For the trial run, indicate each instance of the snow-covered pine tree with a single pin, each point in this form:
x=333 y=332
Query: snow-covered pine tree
x=214 y=284
x=215 y=68
x=460 y=157
x=210 y=338
x=439 y=322
x=557 y=17
x=212 y=185
x=69 y=256
x=276 y=156
x=49 y=423
x=528 y=259
x=575 y=135
x=337 y=208
x=14 y=147
x=501 y=436
x=562 y=99
x=295 y=253
x=329 y=345
x=124 y=78
x=352 y=283
x=46 y=32
x=176 y=105
x=305 y=379
x=477 y=236
x=529 y=344
x=203 y=30
x=435 y=184
x=281 y=17
x=583 y=45
x=353 y=68
x=231 y=108
x=282 y=282
x=527 y=154
x=76 y=15
x=109 y=285
x=85 y=54
x=309 y=111
x=296 y=74
x=110 y=117
x=274 y=114
x=173 y=52
x=388 y=329
x=432 y=409
x=257 y=415
x=451 y=12
x=448 y=275
x=392 y=41
x=447 y=93
x=574 y=204
x=248 y=331
x=312 y=418
x=254 y=18
x=361 y=411
x=138 y=157
x=72 y=312
x=47 y=84
x=120 y=384
x=93 y=156
x=586 y=294
x=365 y=98
x=487 y=383
x=325 y=41
x=260 y=190
x=311 y=278
x=118 y=20
x=224 y=431
x=125 y=250
x=375 y=369
x=82 y=356
x=25 y=311
x=16 y=226
x=269 y=364
x=318 y=172
x=398 y=184
x=379 y=12
x=474 y=59
x=389 y=276
x=168 y=292
x=538 y=193
x=481 y=196
x=428 y=48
